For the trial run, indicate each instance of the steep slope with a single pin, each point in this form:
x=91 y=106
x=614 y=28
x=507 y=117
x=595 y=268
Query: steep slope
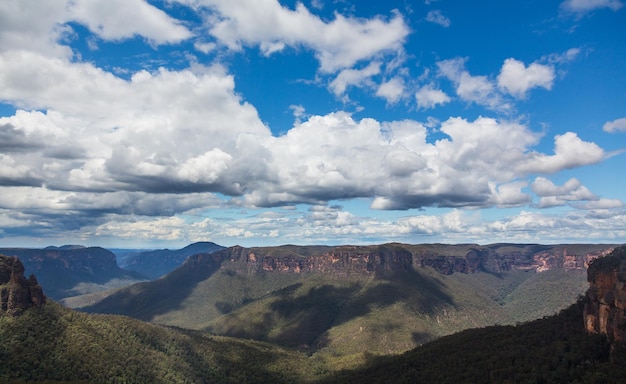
x=157 y=263
x=70 y=271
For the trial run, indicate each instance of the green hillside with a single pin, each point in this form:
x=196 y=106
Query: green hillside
x=57 y=344
x=393 y=313
x=555 y=349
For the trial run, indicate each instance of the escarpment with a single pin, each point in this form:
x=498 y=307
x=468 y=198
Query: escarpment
x=17 y=293
x=339 y=261
x=605 y=301
x=446 y=259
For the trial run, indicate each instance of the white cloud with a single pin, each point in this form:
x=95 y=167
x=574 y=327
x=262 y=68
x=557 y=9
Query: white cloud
x=428 y=97
x=338 y=44
x=137 y=18
x=510 y=194
x=31 y=25
x=583 y=6
x=391 y=90
x=18 y=31
x=476 y=89
x=353 y=77
x=618 y=125
x=517 y=79
x=569 y=152
x=551 y=195
x=437 y=17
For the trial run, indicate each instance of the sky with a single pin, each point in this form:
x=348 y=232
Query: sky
x=155 y=124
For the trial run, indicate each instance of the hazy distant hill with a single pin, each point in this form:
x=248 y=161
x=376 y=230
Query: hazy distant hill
x=73 y=270
x=337 y=301
x=157 y=263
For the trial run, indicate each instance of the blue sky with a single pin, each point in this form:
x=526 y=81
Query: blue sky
x=127 y=123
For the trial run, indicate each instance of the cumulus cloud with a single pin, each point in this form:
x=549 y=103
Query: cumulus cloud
x=338 y=44
x=569 y=152
x=551 y=195
x=391 y=90
x=353 y=77
x=516 y=79
x=139 y=18
x=428 y=97
x=618 y=125
x=475 y=89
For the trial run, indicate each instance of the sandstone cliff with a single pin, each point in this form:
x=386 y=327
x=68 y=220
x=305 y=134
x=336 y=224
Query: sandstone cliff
x=498 y=258
x=338 y=261
x=17 y=293
x=345 y=260
x=605 y=301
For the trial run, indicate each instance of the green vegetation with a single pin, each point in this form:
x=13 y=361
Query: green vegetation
x=336 y=317
x=551 y=350
x=56 y=344
x=342 y=318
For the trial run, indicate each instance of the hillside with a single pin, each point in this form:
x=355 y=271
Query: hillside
x=555 y=349
x=339 y=301
x=57 y=344
x=73 y=270
x=43 y=341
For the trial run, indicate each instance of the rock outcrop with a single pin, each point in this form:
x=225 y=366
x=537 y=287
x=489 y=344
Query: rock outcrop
x=17 y=293
x=605 y=301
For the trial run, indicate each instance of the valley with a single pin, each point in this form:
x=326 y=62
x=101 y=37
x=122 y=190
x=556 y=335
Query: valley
x=268 y=324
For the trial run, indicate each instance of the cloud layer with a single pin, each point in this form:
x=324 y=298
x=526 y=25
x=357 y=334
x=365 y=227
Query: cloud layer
x=146 y=154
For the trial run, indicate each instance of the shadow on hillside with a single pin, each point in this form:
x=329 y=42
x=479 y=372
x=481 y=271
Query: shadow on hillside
x=146 y=300
x=295 y=318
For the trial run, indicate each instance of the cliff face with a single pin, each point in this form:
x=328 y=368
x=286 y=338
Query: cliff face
x=345 y=260
x=499 y=258
x=338 y=261
x=17 y=293
x=605 y=301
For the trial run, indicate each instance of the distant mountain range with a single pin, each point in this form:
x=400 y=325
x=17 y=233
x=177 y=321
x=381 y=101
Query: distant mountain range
x=156 y=263
x=73 y=270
